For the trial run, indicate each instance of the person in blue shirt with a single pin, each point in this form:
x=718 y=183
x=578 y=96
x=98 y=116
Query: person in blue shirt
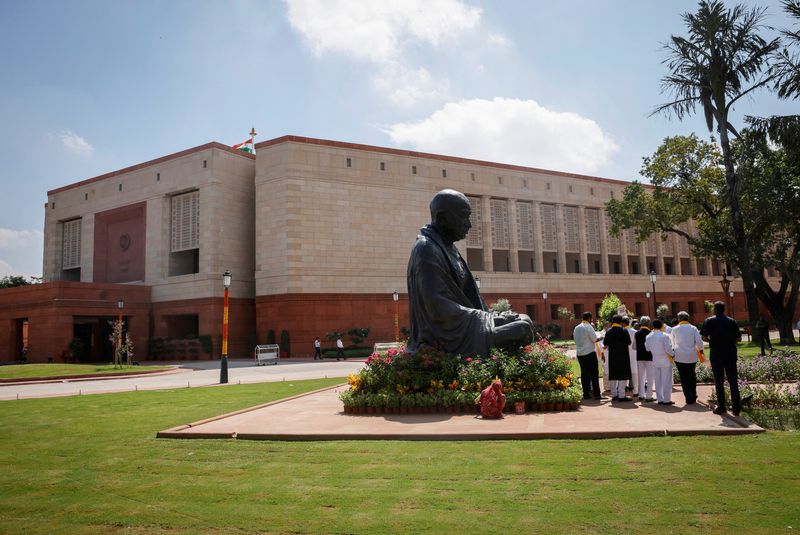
x=722 y=334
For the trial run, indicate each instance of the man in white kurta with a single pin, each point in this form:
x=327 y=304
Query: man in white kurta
x=660 y=346
x=687 y=343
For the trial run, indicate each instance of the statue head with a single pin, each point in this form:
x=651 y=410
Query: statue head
x=450 y=212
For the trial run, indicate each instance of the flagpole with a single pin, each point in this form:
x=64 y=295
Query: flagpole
x=252 y=138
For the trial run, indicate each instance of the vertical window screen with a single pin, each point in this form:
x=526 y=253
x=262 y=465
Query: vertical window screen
x=475 y=235
x=548 y=216
x=186 y=221
x=525 y=225
x=592 y=217
x=571 y=232
x=71 y=247
x=499 y=219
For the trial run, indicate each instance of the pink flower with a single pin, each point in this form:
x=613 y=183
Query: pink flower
x=468 y=359
x=391 y=352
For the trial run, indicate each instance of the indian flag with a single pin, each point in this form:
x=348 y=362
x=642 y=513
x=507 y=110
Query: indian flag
x=246 y=146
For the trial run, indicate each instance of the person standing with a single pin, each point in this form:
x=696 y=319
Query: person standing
x=585 y=344
x=317 y=349
x=658 y=343
x=644 y=362
x=617 y=340
x=686 y=342
x=339 y=348
x=722 y=334
x=762 y=326
x=634 y=382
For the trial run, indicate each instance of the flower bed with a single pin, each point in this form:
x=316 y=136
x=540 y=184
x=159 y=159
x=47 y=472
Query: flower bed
x=395 y=382
x=783 y=365
x=772 y=406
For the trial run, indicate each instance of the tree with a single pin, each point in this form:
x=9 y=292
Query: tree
x=788 y=63
x=608 y=308
x=12 y=281
x=722 y=59
x=688 y=177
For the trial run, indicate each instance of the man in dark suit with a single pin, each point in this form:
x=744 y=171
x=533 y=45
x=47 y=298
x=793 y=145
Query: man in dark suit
x=722 y=334
x=618 y=340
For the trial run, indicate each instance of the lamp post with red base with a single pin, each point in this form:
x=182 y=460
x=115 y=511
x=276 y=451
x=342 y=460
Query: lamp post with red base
x=223 y=370
x=396 y=298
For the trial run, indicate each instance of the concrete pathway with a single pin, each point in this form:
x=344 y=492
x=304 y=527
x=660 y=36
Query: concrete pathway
x=319 y=416
x=189 y=375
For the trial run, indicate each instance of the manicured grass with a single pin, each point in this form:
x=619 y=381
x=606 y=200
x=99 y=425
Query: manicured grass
x=747 y=349
x=92 y=464
x=30 y=371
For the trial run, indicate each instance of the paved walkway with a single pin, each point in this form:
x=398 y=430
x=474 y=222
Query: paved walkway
x=191 y=375
x=319 y=416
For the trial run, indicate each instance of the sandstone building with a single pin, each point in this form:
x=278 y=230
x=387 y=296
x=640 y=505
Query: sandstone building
x=317 y=235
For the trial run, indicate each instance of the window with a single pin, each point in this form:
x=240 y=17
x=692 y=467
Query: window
x=500 y=180
x=577 y=310
x=85 y=196
x=570 y=189
x=383 y=166
x=205 y=164
x=348 y=162
x=548 y=185
x=120 y=187
x=185 y=222
x=591 y=191
x=525 y=184
x=472 y=176
x=444 y=173
x=158 y=177
x=413 y=169
x=71 y=245
x=554 y=312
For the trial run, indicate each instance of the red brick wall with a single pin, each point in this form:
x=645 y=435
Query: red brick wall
x=50 y=308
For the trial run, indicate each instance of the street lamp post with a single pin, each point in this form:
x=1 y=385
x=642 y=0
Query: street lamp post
x=544 y=312
x=733 y=306
x=396 y=299
x=478 y=282
x=653 y=282
x=649 y=306
x=118 y=352
x=223 y=369
x=726 y=284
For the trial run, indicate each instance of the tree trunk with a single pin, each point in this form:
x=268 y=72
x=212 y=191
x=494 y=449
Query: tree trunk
x=737 y=223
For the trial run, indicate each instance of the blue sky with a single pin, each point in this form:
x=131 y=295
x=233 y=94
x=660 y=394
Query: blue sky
x=88 y=87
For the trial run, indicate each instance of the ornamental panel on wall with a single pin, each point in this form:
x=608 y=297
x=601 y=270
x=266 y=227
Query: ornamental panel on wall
x=548 y=216
x=475 y=235
x=499 y=219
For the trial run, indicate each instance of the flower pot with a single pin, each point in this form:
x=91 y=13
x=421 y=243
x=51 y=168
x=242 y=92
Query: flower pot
x=548 y=406
x=559 y=406
x=519 y=407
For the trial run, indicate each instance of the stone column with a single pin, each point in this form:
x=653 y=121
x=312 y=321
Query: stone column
x=538 y=257
x=623 y=251
x=694 y=264
x=584 y=249
x=603 y=242
x=560 y=241
x=488 y=242
x=643 y=269
x=676 y=255
x=660 y=255
x=513 y=238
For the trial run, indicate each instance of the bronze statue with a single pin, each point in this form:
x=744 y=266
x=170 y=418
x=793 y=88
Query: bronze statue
x=446 y=308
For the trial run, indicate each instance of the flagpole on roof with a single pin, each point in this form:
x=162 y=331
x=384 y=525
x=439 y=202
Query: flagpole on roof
x=252 y=138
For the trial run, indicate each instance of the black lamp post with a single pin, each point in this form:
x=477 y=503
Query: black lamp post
x=726 y=285
x=544 y=297
x=396 y=298
x=653 y=282
x=649 y=309
x=223 y=367
x=118 y=356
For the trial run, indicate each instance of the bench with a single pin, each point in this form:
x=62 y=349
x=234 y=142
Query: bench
x=267 y=353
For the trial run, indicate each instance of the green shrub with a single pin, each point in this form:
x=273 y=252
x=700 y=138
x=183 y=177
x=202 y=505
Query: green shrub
x=284 y=345
x=270 y=337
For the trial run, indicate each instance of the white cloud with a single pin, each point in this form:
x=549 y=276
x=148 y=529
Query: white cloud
x=497 y=39
x=511 y=131
x=15 y=239
x=376 y=32
x=405 y=86
x=76 y=143
x=6 y=269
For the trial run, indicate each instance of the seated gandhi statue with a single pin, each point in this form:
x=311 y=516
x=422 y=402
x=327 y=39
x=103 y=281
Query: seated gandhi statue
x=446 y=308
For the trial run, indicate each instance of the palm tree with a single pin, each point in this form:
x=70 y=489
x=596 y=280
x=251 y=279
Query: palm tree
x=722 y=59
x=788 y=65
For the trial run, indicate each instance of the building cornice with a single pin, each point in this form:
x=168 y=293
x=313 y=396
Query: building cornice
x=431 y=156
x=210 y=145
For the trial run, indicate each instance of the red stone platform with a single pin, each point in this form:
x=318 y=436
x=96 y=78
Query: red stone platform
x=319 y=416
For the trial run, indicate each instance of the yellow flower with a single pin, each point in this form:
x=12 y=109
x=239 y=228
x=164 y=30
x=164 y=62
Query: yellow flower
x=402 y=390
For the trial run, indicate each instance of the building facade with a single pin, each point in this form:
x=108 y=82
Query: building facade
x=317 y=235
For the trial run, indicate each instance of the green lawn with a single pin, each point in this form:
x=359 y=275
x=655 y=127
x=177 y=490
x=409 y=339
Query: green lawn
x=92 y=464
x=30 y=371
x=747 y=349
